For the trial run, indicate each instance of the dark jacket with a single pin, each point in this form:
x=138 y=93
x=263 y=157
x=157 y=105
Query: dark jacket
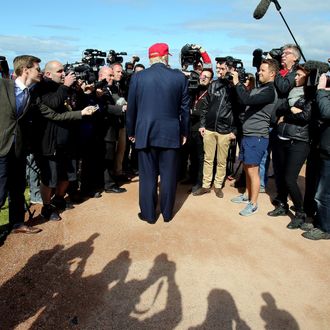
x=110 y=115
x=11 y=127
x=217 y=108
x=296 y=126
x=56 y=136
x=158 y=107
x=284 y=84
x=323 y=102
x=196 y=108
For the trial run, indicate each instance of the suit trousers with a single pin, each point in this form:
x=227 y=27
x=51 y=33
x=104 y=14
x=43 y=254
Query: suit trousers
x=155 y=161
x=12 y=183
x=215 y=142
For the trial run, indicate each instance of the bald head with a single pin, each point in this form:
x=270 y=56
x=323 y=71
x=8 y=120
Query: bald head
x=54 y=70
x=106 y=73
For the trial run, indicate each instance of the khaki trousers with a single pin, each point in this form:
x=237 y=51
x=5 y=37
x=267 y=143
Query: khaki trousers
x=215 y=141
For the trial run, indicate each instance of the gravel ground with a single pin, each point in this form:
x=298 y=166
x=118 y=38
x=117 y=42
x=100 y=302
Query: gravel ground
x=102 y=268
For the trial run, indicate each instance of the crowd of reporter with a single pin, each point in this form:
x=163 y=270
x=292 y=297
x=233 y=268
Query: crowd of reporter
x=78 y=148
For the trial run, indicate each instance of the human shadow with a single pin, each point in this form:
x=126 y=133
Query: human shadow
x=122 y=306
x=276 y=318
x=41 y=282
x=51 y=292
x=222 y=313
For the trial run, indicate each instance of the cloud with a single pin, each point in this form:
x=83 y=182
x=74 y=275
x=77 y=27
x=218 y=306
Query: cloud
x=45 y=48
x=57 y=27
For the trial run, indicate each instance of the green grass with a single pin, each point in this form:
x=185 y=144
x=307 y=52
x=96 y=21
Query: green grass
x=4 y=214
x=5 y=211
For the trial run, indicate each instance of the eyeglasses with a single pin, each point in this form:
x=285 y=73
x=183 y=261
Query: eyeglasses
x=287 y=53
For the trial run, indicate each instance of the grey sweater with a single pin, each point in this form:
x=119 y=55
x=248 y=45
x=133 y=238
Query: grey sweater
x=260 y=105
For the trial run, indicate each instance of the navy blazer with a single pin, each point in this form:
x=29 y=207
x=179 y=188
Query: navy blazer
x=158 y=107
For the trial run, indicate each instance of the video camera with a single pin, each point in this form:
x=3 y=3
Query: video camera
x=4 y=68
x=235 y=63
x=94 y=58
x=259 y=55
x=87 y=70
x=82 y=71
x=189 y=55
x=114 y=57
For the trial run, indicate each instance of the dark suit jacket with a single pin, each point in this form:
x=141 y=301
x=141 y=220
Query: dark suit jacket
x=11 y=127
x=158 y=107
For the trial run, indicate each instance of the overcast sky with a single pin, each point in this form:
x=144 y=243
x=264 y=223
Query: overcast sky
x=63 y=29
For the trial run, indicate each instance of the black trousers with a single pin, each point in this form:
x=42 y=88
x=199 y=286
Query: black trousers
x=108 y=164
x=156 y=161
x=289 y=156
x=196 y=151
x=12 y=183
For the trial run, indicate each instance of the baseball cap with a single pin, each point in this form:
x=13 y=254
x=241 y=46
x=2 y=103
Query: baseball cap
x=158 y=50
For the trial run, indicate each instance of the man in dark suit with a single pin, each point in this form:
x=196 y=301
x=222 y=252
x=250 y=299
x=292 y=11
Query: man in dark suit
x=158 y=122
x=15 y=100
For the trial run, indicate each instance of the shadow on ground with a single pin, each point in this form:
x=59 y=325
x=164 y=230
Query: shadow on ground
x=51 y=292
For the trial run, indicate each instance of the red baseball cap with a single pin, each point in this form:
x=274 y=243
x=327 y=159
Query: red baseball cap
x=158 y=50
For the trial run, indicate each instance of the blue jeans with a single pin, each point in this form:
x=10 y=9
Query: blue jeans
x=322 y=196
x=263 y=169
x=33 y=178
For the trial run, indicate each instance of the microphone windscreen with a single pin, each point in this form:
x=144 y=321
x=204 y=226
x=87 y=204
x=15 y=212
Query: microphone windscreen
x=261 y=9
x=322 y=67
x=257 y=52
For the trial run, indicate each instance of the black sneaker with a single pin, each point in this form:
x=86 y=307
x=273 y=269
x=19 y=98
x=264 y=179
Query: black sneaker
x=280 y=209
x=61 y=204
x=49 y=212
x=306 y=226
x=316 y=234
x=295 y=223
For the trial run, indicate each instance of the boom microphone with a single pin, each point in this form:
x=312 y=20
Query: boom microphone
x=261 y=9
x=321 y=67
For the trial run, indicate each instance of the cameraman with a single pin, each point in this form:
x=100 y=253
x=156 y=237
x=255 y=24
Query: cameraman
x=284 y=82
x=205 y=62
x=119 y=95
x=110 y=114
x=217 y=128
x=322 y=196
x=195 y=141
x=56 y=139
x=285 y=79
x=259 y=104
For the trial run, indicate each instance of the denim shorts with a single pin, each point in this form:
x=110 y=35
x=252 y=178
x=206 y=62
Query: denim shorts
x=253 y=149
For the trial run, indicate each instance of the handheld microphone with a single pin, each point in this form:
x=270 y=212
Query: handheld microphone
x=261 y=9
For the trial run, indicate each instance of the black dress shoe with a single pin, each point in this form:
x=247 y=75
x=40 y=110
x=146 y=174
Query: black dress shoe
x=115 y=189
x=146 y=220
x=280 y=209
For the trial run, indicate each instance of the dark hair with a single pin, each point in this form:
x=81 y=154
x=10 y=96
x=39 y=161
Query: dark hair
x=272 y=64
x=139 y=65
x=209 y=70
